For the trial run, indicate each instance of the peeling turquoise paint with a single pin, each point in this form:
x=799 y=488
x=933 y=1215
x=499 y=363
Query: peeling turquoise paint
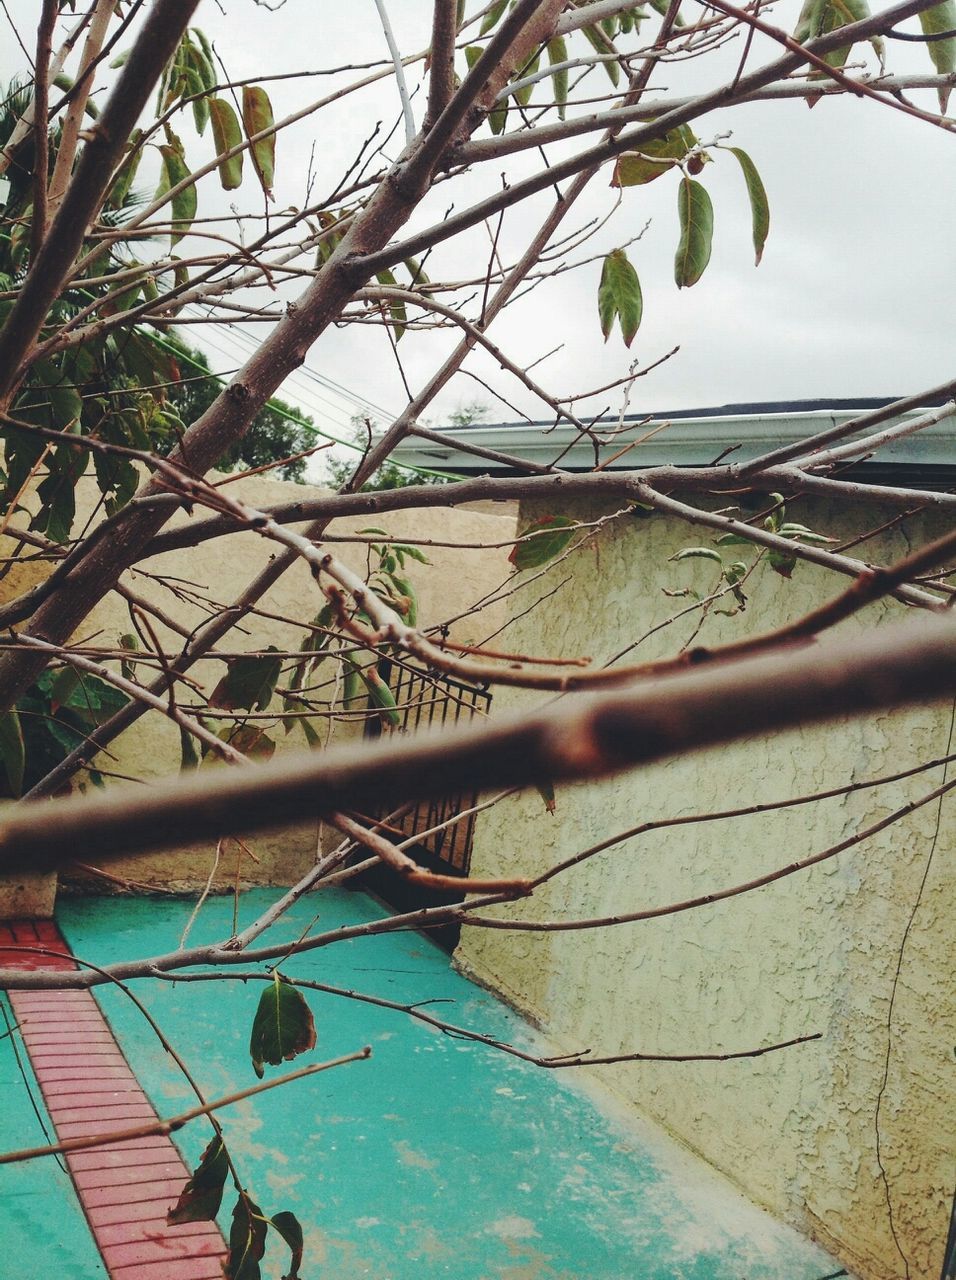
x=436 y=1158
x=43 y=1231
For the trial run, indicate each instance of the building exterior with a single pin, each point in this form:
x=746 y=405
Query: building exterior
x=851 y=1137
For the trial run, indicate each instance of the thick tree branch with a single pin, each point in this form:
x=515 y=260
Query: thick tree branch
x=559 y=487
x=441 y=76
x=496 y=148
x=634 y=139
x=103 y=11
x=589 y=738
x=41 y=135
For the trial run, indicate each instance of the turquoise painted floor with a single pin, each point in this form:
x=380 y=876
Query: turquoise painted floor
x=436 y=1158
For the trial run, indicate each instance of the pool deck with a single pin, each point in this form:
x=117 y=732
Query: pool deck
x=436 y=1158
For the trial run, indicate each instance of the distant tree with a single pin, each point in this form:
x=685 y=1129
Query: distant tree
x=467 y=414
x=390 y=475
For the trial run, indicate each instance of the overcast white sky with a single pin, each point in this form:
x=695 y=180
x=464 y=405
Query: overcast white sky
x=853 y=297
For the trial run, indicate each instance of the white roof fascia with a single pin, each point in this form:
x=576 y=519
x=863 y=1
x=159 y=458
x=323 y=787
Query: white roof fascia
x=691 y=441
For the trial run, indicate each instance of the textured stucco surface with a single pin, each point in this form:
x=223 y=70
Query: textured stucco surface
x=453 y=581
x=815 y=952
x=26 y=896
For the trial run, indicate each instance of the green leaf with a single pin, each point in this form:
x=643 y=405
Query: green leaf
x=249 y=682
x=636 y=168
x=201 y=79
x=226 y=134
x=201 y=1197
x=410 y=596
x=174 y=170
x=491 y=17
x=351 y=684
x=800 y=533
x=206 y=48
x=696 y=215
x=289 y=1228
x=66 y=84
x=283 y=1026
x=698 y=553
x=188 y=755
x=247 y=1241
x=196 y=90
x=523 y=96
x=250 y=740
x=12 y=752
x=316 y=642
x=66 y=405
x=382 y=696
x=782 y=563
x=539 y=550
x=129 y=642
x=127 y=171
x=498 y=116
x=820 y=17
x=733 y=540
x=256 y=116
x=62 y=686
x=290 y=721
x=661 y=7
x=59 y=510
x=601 y=44
x=311 y=735
x=95 y=701
x=414 y=552
x=396 y=308
x=558 y=52
x=416 y=271
x=759 y=206
x=619 y=294
x=942 y=17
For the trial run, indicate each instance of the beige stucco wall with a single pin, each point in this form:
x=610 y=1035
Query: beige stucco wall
x=815 y=952
x=453 y=581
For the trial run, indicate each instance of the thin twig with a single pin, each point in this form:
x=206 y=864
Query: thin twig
x=176 y=1122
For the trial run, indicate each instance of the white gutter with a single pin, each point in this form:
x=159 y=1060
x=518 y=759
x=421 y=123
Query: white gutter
x=684 y=441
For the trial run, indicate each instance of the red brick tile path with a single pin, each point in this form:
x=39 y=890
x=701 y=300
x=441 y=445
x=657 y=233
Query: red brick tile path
x=125 y=1188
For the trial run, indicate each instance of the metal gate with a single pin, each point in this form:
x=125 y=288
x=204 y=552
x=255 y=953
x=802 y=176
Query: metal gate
x=430 y=700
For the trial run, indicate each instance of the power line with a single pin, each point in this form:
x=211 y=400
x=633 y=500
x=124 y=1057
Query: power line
x=361 y=402
x=298 y=419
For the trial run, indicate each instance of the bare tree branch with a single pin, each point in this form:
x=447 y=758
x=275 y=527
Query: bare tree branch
x=599 y=735
x=441 y=79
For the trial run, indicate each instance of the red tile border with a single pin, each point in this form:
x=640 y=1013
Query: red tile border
x=128 y=1111
x=127 y=1187
x=139 y=1252
x=151 y=1229
x=123 y=1176
x=165 y=1190
x=115 y=1157
x=109 y=1086
x=184 y=1269
x=145 y=1210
